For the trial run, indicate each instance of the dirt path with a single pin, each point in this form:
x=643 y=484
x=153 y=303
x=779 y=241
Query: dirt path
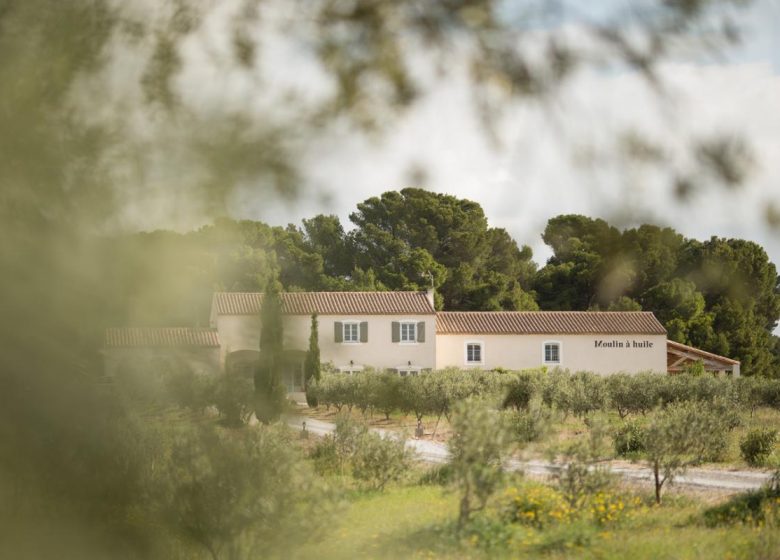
x=435 y=452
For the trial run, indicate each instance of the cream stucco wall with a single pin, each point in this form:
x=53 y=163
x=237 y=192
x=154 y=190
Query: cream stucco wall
x=242 y=332
x=578 y=352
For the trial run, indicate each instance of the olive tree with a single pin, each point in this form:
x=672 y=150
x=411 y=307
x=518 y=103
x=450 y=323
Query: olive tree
x=379 y=460
x=678 y=436
x=479 y=446
x=237 y=494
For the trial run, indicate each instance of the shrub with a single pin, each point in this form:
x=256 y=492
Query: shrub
x=439 y=475
x=557 y=391
x=750 y=393
x=727 y=410
x=532 y=424
x=489 y=534
x=751 y=507
x=536 y=506
x=686 y=388
x=227 y=490
x=632 y=394
x=234 y=396
x=190 y=390
x=379 y=460
x=757 y=445
x=346 y=437
x=334 y=452
x=629 y=438
x=521 y=388
x=606 y=508
x=694 y=369
x=588 y=393
x=325 y=456
x=770 y=393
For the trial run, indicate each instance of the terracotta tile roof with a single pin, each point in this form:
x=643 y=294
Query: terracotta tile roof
x=671 y=346
x=548 y=322
x=327 y=303
x=160 y=336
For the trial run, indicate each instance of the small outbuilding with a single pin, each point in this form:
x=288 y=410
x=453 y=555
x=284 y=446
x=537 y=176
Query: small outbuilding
x=679 y=356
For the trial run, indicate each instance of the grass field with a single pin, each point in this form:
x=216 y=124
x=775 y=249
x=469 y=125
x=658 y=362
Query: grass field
x=417 y=521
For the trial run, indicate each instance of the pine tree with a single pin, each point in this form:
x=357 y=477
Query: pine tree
x=270 y=393
x=311 y=367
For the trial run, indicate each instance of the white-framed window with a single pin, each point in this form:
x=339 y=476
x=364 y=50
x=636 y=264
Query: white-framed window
x=351 y=331
x=408 y=331
x=551 y=352
x=475 y=352
x=350 y=369
x=405 y=371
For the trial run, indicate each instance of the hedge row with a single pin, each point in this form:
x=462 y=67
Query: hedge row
x=434 y=393
x=429 y=393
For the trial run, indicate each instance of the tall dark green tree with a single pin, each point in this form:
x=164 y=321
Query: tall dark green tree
x=682 y=310
x=585 y=255
x=311 y=367
x=270 y=392
x=740 y=287
x=404 y=235
x=325 y=236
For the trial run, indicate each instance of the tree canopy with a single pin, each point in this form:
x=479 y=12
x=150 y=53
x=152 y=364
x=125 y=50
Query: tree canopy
x=720 y=295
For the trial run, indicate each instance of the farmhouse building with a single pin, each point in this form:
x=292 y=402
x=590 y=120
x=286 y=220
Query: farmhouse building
x=402 y=331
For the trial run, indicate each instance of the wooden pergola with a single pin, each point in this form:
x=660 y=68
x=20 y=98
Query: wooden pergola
x=678 y=356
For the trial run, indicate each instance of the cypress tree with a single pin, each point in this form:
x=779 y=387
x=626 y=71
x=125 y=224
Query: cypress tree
x=311 y=367
x=270 y=393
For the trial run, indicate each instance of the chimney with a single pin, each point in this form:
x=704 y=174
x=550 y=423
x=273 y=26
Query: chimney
x=429 y=291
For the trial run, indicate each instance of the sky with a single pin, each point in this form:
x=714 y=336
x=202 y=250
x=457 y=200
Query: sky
x=557 y=157
x=560 y=158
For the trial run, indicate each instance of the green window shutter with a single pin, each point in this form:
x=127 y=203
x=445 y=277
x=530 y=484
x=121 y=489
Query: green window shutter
x=421 y=331
x=396 y=331
x=364 y=331
x=338 y=331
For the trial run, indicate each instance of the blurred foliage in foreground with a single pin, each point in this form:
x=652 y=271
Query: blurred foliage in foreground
x=95 y=130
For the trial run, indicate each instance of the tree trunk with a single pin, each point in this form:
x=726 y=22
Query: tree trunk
x=465 y=508
x=658 y=484
x=436 y=427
